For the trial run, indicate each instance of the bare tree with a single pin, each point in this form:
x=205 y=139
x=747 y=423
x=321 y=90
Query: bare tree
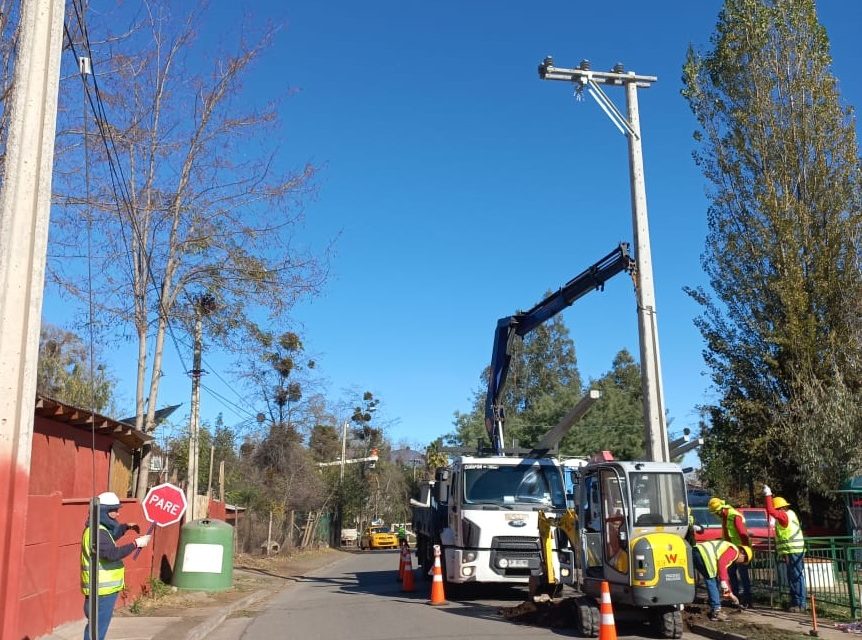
x=187 y=195
x=9 y=13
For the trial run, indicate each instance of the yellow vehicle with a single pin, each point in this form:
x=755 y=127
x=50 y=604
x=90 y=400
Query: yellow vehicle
x=378 y=537
x=626 y=526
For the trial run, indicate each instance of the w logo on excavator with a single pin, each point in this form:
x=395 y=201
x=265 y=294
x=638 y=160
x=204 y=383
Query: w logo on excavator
x=670 y=557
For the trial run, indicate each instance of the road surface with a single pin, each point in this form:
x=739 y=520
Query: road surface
x=359 y=598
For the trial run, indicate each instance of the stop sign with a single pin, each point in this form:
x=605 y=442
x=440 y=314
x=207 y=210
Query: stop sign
x=165 y=504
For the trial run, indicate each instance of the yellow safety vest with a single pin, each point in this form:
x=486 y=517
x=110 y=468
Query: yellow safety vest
x=711 y=551
x=732 y=533
x=789 y=540
x=112 y=574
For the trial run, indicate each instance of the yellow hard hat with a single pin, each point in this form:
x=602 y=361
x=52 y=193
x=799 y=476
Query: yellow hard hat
x=779 y=503
x=715 y=504
x=749 y=554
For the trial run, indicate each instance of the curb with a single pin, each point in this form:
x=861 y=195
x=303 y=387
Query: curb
x=208 y=626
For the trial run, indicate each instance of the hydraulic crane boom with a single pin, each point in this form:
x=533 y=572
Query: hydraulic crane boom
x=522 y=323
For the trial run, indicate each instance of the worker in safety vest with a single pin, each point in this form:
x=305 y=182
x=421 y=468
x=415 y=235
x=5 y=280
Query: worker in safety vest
x=712 y=559
x=789 y=545
x=110 y=562
x=693 y=527
x=733 y=530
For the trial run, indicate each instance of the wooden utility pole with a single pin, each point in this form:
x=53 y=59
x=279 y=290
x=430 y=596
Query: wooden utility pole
x=25 y=203
x=194 y=427
x=221 y=481
x=210 y=476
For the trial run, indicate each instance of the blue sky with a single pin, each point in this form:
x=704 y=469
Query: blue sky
x=460 y=187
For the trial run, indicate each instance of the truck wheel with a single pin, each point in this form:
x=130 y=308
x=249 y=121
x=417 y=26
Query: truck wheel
x=668 y=622
x=588 y=617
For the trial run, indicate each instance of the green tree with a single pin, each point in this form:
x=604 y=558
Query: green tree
x=781 y=327
x=64 y=372
x=615 y=423
x=218 y=439
x=543 y=383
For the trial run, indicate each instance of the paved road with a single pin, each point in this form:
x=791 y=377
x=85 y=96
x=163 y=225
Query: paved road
x=358 y=598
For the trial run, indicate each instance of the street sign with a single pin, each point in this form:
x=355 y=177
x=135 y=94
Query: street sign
x=165 y=504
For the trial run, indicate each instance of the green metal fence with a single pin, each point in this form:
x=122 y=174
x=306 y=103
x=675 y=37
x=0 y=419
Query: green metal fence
x=833 y=573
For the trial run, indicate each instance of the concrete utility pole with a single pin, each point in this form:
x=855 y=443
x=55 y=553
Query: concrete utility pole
x=585 y=78
x=343 y=450
x=24 y=211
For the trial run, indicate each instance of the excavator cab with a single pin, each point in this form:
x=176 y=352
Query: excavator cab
x=626 y=526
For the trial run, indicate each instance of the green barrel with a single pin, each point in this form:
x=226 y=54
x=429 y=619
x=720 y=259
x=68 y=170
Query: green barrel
x=205 y=557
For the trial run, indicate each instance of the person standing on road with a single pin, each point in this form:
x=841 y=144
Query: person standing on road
x=733 y=530
x=712 y=559
x=111 y=576
x=789 y=545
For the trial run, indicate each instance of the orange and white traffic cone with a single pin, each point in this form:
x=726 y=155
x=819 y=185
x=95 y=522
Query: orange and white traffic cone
x=437 y=595
x=608 y=628
x=407 y=583
x=401 y=562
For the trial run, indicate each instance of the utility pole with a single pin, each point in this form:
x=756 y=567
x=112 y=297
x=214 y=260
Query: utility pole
x=25 y=204
x=584 y=78
x=343 y=450
x=194 y=428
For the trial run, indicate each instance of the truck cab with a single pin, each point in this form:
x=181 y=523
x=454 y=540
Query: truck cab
x=483 y=512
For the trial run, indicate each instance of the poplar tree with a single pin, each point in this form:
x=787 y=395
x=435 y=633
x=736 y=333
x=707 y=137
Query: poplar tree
x=779 y=152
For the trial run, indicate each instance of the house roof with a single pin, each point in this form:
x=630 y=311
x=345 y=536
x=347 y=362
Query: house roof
x=83 y=419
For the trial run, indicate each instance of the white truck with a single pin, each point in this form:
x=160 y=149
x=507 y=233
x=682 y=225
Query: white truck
x=483 y=511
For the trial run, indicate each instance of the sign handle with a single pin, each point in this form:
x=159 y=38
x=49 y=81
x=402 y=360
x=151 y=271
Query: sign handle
x=149 y=532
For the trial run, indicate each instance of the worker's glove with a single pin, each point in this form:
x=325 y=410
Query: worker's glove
x=766 y=490
x=143 y=541
x=725 y=590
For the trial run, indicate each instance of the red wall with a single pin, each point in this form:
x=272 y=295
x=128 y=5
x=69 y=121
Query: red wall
x=51 y=578
x=62 y=460
x=62 y=480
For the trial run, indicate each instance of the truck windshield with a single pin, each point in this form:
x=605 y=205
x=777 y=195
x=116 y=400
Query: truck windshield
x=658 y=499
x=505 y=484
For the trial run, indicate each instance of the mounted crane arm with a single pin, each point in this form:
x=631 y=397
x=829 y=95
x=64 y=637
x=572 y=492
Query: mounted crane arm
x=522 y=323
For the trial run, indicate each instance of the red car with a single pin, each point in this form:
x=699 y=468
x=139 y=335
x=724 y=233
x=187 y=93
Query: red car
x=710 y=522
x=760 y=526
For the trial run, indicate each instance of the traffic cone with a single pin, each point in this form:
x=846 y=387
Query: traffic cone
x=437 y=595
x=407 y=583
x=401 y=563
x=608 y=629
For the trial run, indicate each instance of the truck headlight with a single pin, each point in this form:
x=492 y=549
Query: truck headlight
x=470 y=556
x=502 y=563
x=564 y=573
x=466 y=571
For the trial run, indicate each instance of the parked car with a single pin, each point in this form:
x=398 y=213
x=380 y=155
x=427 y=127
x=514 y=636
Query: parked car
x=378 y=538
x=760 y=526
x=710 y=522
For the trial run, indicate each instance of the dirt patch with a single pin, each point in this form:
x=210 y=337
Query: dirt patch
x=251 y=574
x=561 y=613
x=696 y=615
x=554 y=614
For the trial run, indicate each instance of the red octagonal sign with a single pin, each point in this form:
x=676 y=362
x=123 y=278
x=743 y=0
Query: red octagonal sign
x=165 y=504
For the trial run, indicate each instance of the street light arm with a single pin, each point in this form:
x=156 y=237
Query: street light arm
x=350 y=461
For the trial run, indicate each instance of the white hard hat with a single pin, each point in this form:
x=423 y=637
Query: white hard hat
x=109 y=499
